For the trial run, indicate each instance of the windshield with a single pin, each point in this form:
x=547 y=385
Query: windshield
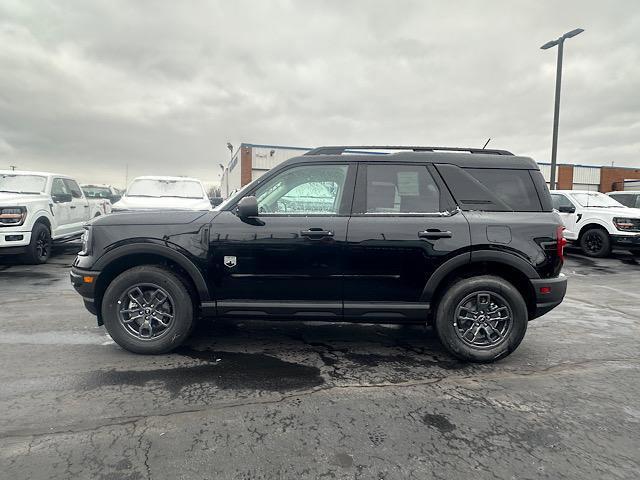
x=96 y=192
x=165 y=188
x=596 y=199
x=22 y=183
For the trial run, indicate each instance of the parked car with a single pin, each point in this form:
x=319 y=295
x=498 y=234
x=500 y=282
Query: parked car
x=98 y=199
x=37 y=209
x=628 y=198
x=164 y=193
x=467 y=242
x=597 y=222
x=102 y=191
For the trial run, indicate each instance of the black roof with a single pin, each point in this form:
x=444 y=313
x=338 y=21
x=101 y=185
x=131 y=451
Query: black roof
x=462 y=157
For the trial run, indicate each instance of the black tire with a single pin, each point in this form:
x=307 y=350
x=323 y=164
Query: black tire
x=450 y=328
x=635 y=253
x=39 y=248
x=596 y=243
x=148 y=278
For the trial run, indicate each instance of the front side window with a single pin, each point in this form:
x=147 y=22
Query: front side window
x=14 y=183
x=96 y=192
x=59 y=188
x=147 y=187
x=401 y=189
x=73 y=187
x=560 y=201
x=306 y=189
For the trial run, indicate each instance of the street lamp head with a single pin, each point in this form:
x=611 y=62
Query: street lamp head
x=573 y=33
x=550 y=44
x=221 y=166
x=230 y=147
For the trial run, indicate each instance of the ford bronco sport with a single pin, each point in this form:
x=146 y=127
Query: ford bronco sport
x=463 y=239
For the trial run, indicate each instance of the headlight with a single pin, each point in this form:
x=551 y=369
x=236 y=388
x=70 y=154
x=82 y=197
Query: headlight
x=12 y=216
x=87 y=240
x=627 y=224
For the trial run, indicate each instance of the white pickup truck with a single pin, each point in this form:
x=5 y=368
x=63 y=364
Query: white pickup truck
x=597 y=222
x=38 y=208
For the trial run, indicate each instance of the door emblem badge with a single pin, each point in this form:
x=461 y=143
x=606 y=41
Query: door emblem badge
x=230 y=262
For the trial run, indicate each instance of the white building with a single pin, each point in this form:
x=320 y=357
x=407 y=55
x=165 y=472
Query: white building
x=251 y=161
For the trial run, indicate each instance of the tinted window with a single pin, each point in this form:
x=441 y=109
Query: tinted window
x=307 y=189
x=73 y=187
x=401 y=189
x=560 y=201
x=513 y=187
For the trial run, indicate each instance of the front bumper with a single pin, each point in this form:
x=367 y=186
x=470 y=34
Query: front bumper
x=626 y=241
x=84 y=282
x=549 y=293
x=13 y=240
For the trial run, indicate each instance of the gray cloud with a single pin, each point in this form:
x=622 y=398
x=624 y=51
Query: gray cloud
x=90 y=87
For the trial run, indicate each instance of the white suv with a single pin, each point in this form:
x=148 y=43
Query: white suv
x=597 y=222
x=164 y=193
x=37 y=208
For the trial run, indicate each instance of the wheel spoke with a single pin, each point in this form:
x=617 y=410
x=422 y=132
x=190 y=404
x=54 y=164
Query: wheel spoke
x=483 y=319
x=147 y=311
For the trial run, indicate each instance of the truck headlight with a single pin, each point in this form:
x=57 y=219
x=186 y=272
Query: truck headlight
x=12 y=216
x=87 y=241
x=627 y=224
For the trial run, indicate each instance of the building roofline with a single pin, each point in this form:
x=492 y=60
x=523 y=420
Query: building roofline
x=588 y=166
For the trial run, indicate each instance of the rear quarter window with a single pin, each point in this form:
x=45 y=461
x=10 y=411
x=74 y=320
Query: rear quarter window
x=515 y=188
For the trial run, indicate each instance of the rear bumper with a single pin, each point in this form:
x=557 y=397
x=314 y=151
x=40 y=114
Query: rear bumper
x=84 y=282
x=549 y=293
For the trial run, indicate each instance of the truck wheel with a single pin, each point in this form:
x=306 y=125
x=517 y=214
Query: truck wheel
x=595 y=242
x=147 y=310
x=481 y=319
x=39 y=248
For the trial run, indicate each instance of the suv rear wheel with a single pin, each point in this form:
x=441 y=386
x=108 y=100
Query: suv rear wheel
x=481 y=319
x=595 y=242
x=148 y=310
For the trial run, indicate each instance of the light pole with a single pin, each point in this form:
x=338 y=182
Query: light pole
x=556 y=110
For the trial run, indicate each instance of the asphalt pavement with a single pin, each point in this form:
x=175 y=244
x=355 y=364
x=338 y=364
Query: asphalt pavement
x=293 y=400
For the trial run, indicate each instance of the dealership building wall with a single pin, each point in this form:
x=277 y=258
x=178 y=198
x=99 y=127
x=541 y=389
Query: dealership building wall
x=251 y=161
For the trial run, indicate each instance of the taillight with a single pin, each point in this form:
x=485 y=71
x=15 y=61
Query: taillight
x=560 y=242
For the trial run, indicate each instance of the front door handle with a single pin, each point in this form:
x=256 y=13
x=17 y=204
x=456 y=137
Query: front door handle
x=434 y=234
x=316 y=233
x=72 y=206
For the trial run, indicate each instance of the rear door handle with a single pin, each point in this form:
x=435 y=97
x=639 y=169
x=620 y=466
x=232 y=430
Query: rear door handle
x=434 y=234
x=316 y=233
x=72 y=206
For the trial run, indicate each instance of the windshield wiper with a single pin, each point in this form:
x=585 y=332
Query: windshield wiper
x=177 y=196
x=148 y=196
x=9 y=191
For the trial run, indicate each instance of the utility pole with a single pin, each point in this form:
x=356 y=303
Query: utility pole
x=556 y=109
x=12 y=167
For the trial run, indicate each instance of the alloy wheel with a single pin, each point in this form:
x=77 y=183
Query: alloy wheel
x=146 y=311
x=593 y=242
x=42 y=245
x=483 y=319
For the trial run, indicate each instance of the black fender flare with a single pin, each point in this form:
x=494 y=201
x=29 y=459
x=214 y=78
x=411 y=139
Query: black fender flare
x=469 y=258
x=163 y=251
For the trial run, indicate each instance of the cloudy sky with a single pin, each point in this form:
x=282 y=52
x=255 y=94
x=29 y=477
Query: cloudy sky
x=89 y=87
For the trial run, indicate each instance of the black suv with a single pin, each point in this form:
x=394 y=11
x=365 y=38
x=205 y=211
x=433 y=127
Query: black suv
x=463 y=239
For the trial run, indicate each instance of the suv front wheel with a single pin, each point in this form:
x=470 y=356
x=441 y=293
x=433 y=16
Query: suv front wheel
x=148 y=310
x=481 y=319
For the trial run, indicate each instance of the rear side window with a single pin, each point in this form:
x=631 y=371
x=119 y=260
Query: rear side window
x=401 y=189
x=514 y=187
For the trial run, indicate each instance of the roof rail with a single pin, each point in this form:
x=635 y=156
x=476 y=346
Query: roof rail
x=339 y=150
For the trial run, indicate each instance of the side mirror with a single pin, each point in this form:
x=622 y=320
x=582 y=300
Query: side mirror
x=115 y=198
x=215 y=201
x=566 y=209
x=62 y=197
x=248 y=207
